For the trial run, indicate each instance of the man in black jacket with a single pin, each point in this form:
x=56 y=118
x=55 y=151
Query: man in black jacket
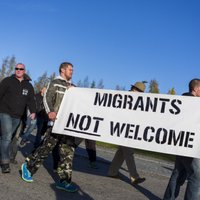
x=16 y=92
x=186 y=167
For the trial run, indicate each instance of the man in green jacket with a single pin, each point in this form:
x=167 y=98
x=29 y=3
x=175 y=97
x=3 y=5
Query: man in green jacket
x=52 y=101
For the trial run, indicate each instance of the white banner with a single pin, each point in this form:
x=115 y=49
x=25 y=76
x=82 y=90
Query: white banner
x=156 y=122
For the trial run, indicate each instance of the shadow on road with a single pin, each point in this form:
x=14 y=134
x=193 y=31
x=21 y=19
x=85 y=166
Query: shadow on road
x=62 y=195
x=81 y=164
x=48 y=164
x=168 y=168
x=147 y=193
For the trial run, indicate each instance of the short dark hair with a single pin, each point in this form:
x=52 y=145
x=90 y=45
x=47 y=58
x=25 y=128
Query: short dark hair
x=193 y=83
x=20 y=64
x=64 y=65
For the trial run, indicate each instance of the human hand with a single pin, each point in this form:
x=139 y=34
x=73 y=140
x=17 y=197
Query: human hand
x=52 y=116
x=32 y=116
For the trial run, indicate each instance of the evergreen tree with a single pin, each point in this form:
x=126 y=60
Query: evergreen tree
x=93 y=84
x=86 y=82
x=172 y=91
x=100 y=84
x=79 y=83
x=120 y=87
x=153 y=86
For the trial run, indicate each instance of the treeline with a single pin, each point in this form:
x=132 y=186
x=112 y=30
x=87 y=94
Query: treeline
x=8 y=67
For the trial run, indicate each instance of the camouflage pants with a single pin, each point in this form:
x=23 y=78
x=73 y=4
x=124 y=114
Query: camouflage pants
x=66 y=153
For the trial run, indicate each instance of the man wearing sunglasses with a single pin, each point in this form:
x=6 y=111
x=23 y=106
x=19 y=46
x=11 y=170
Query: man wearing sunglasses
x=16 y=93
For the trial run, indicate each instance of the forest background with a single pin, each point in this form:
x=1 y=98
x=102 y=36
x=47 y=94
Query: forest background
x=8 y=66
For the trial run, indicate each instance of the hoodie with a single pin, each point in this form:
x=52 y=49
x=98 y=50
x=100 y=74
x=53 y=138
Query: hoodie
x=15 y=96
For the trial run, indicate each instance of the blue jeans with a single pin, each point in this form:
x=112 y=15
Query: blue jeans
x=30 y=125
x=8 y=127
x=15 y=141
x=185 y=168
x=41 y=129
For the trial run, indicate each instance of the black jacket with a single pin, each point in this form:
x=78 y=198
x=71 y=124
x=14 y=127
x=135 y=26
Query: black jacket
x=15 y=96
x=39 y=102
x=40 y=110
x=188 y=94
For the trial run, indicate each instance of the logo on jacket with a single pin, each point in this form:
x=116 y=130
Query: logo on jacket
x=24 y=92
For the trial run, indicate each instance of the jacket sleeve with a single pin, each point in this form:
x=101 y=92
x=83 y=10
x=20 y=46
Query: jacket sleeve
x=31 y=101
x=49 y=98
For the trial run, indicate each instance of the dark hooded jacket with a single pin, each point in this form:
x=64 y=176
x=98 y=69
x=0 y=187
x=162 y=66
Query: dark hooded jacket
x=188 y=94
x=15 y=96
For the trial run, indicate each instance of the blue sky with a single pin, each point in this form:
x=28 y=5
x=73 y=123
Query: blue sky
x=119 y=41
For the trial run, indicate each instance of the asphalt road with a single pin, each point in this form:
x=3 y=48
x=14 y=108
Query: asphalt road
x=92 y=183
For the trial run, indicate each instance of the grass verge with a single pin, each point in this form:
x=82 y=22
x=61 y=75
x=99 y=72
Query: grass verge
x=151 y=154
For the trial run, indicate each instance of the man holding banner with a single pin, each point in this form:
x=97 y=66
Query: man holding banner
x=186 y=167
x=127 y=153
x=52 y=100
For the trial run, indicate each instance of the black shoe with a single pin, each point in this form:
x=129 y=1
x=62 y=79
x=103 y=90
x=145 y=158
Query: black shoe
x=135 y=181
x=113 y=176
x=5 y=168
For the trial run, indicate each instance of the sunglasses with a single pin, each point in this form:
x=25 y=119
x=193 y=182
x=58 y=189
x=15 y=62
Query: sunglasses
x=21 y=69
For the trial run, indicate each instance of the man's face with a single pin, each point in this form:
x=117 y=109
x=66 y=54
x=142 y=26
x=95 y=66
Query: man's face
x=68 y=72
x=19 y=71
x=197 y=91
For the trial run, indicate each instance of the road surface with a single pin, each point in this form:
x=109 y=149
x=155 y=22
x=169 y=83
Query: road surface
x=92 y=183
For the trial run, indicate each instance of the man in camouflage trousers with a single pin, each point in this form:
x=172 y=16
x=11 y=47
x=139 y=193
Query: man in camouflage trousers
x=52 y=100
